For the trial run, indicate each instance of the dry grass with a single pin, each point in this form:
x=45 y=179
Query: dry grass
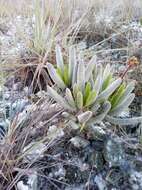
x=11 y=8
x=94 y=16
x=90 y=15
x=20 y=134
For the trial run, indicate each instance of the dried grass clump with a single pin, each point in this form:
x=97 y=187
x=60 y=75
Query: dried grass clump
x=47 y=31
x=21 y=132
x=91 y=17
x=10 y=8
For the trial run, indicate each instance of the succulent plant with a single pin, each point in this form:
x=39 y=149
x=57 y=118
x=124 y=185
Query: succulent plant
x=89 y=92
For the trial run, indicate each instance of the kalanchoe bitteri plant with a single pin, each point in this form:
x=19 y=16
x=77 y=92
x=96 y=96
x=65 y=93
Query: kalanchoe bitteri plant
x=89 y=93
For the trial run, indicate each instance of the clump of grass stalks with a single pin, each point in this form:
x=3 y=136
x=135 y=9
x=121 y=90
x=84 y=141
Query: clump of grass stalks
x=10 y=8
x=46 y=33
x=21 y=133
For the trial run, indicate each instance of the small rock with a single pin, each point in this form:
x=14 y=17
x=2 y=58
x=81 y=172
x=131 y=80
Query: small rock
x=73 y=125
x=100 y=182
x=55 y=132
x=79 y=142
x=136 y=180
x=99 y=161
x=114 y=152
x=34 y=151
x=97 y=132
x=138 y=163
x=21 y=186
x=31 y=183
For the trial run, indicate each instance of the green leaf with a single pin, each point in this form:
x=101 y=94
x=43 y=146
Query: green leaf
x=66 y=75
x=110 y=89
x=81 y=75
x=73 y=125
x=59 y=99
x=107 y=72
x=87 y=91
x=123 y=105
x=123 y=121
x=82 y=127
x=98 y=82
x=90 y=67
x=95 y=107
x=72 y=61
x=79 y=100
x=91 y=98
x=98 y=118
x=114 y=100
x=70 y=98
x=75 y=68
x=59 y=72
x=75 y=90
x=55 y=77
x=130 y=87
x=107 y=82
x=59 y=58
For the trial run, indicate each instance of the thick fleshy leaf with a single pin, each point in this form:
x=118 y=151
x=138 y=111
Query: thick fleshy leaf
x=114 y=100
x=123 y=105
x=59 y=72
x=59 y=58
x=81 y=75
x=84 y=117
x=87 y=91
x=98 y=118
x=92 y=81
x=130 y=87
x=72 y=61
x=66 y=75
x=55 y=76
x=107 y=82
x=75 y=90
x=90 y=67
x=70 y=98
x=69 y=116
x=98 y=81
x=75 y=68
x=79 y=100
x=95 y=71
x=59 y=99
x=91 y=98
x=123 y=121
x=107 y=72
x=95 y=107
x=73 y=125
x=110 y=89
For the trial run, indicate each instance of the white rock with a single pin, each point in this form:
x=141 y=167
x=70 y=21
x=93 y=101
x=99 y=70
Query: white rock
x=79 y=142
x=21 y=186
x=31 y=184
x=34 y=151
x=100 y=182
x=55 y=132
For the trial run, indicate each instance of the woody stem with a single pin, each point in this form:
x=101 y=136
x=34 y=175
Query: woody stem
x=122 y=76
